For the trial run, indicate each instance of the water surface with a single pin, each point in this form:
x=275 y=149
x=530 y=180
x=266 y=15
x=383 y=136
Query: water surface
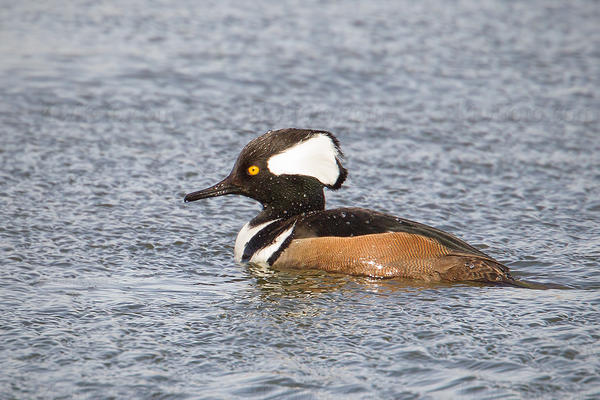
x=481 y=120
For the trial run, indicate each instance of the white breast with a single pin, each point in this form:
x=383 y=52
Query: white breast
x=245 y=235
x=263 y=255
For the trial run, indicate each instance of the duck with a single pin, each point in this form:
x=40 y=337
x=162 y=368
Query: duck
x=286 y=171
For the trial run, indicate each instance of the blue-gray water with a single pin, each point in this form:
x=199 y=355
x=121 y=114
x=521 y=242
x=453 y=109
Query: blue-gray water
x=480 y=119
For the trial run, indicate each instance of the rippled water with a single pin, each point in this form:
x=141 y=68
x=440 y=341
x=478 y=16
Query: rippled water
x=478 y=119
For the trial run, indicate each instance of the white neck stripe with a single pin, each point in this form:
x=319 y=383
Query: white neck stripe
x=262 y=256
x=246 y=234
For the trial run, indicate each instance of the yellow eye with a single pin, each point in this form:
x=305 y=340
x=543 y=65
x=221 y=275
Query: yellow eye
x=253 y=170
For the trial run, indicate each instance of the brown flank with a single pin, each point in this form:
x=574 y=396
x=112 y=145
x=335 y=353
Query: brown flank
x=392 y=254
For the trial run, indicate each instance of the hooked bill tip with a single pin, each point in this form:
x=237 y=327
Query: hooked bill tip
x=190 y=197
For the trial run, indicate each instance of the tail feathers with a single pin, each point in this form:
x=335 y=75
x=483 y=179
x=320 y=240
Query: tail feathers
x=467 y=267
x=535 y=285
x=474 y=268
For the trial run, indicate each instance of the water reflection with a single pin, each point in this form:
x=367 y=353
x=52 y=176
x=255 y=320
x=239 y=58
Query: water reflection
x=297 y=283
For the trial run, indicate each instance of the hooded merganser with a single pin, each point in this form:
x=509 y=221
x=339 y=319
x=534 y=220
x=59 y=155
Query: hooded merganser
x=286 y=171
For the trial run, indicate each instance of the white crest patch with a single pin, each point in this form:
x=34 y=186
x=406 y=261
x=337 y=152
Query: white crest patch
x=262 y=256
x=245 y=235
x=314 y=157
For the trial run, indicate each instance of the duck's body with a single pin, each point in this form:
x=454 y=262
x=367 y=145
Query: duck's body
x=286 y=171
x=363 y=242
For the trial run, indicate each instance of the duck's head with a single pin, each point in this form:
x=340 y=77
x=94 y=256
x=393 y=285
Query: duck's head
x=285 y=170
